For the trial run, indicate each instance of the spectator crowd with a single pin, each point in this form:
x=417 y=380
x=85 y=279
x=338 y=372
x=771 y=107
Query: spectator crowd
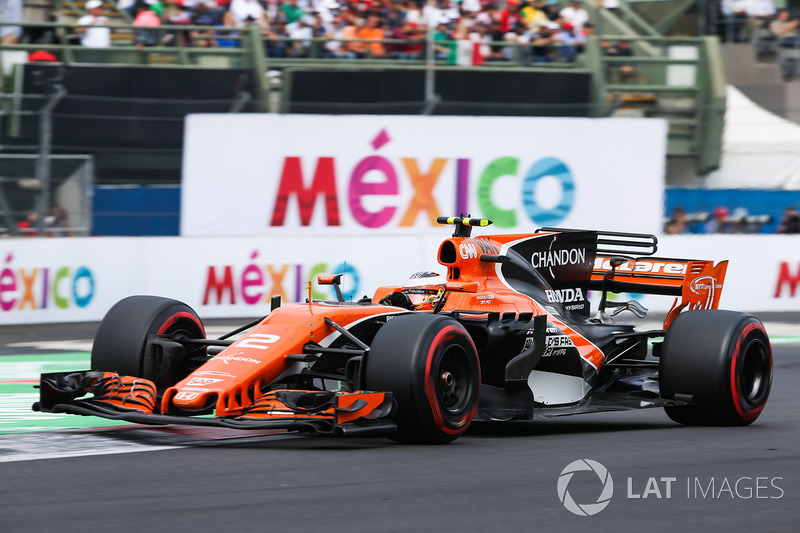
x=545 y=29
x=722 y=220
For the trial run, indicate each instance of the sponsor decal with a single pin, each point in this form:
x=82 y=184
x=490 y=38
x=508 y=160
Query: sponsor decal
x=467 y=251
x=196 y=389
x=643 y=266
x=528 y=343
x=187 y=395
x=377 y=175
x=226 y=358
x=214 y=373
x=199 y=382
x=787 y=280
x=558 y=341
x=44 y=287
x=556 y=345
x=487 y=247
x=564 y=295
x=704 y=284
x=257 y=284
x=551 y=258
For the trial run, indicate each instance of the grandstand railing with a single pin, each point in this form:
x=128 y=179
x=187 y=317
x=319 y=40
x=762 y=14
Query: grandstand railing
x=680 y=79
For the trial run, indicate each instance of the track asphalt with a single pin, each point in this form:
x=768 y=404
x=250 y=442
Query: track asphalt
x=73 y=474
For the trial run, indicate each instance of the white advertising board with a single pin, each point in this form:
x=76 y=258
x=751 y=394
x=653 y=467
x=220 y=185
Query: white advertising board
x=384 y=175
x=79 y=279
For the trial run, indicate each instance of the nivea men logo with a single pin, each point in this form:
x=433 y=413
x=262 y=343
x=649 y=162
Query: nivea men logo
x=551 y=258
x=564 y=295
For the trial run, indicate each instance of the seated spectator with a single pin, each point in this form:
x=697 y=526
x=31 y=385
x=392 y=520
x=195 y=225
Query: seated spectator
x=575 y=15
x=734 y=15
x=570 y=40
x=510 y=16
x=552 y=9
x=333 y=47
x=534 y=16
x=620 y=49
x=407 y=32
x=359 y=49
x=786 y=29
x=412 y=12
x=290 y=9
x=92 y=36
x=373 y=30
x=276 y=47
x=485 y=35
x=394 y=18
x=441 y=42
x=678 y=223
x=57 y=222
x=203 y=16
x=790 y=221
x=12 y=11
x=241 y=9
x=521 y=37
x=542 y=50
x=300 y=29
x=329 y=11
x=146 y=18
x=718 y=222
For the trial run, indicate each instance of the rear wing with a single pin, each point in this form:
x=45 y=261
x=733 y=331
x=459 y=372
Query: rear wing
x=624 y=262
x=697 y=283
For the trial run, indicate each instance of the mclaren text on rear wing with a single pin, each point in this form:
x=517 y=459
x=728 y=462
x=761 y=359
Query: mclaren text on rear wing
x=698 y=284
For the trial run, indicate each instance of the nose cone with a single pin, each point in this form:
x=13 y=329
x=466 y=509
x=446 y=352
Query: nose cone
x=189 y=401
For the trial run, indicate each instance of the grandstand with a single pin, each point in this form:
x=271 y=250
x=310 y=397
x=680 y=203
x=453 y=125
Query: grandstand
x=123 y=106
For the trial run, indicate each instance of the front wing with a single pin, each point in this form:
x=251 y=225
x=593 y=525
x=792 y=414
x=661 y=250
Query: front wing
x=129 y=399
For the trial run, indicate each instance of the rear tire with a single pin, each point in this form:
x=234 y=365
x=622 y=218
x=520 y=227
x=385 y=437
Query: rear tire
x=723 y=360
x=430 y=365
x=121 y=340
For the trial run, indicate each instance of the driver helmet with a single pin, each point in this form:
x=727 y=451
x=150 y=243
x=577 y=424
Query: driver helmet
x=424 y=289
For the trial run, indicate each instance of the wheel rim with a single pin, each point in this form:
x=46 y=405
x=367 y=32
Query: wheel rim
x=754 y=376
x=454 y=386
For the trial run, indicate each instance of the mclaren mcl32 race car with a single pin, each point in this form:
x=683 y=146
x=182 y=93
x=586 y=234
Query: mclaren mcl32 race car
x=508 y=334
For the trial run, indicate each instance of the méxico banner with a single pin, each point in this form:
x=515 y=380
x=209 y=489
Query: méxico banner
x=78 y=279
x=314 y=175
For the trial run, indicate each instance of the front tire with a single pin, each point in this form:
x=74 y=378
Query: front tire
x=723 y=360
x=120 y=343
x=430 y=365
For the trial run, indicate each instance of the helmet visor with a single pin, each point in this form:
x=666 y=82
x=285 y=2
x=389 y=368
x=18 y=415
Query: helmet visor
x=420 y=295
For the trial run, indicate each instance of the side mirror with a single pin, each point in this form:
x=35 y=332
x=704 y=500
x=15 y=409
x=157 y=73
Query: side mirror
x=332 y=279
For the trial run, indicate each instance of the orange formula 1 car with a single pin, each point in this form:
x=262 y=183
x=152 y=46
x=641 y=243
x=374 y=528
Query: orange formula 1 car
x=507 y=335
